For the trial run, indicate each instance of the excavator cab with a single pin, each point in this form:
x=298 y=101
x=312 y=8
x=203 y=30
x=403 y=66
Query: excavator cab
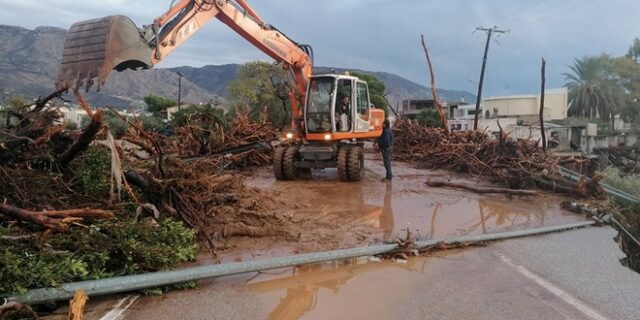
x=95 y=47
x=338 y=108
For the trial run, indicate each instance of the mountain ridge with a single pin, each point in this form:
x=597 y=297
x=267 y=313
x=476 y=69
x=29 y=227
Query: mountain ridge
x=29 y=62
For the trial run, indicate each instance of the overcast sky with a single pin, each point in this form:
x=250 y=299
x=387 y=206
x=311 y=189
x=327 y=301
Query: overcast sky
x=384 y=35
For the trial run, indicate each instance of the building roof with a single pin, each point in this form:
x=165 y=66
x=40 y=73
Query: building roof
x=528 y=96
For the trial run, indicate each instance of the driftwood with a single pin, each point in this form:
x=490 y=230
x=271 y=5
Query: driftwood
x=519 y=192
x=87 y=136
x=76 y=305
x=443 y=117
x=52 y=219
x=31 y=217
x=518 y=164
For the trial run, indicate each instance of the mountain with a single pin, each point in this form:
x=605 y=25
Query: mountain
x=29 y=64
x=216 y=79
x=400 y=88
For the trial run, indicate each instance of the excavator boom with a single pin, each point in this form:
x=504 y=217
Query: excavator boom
x=320 y=134
x=95 y=47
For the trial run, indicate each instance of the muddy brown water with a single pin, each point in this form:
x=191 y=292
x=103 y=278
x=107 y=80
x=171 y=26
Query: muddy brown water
x=368 y=212
x=407 y=203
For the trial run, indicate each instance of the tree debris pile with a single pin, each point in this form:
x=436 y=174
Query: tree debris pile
x=63 y=217
x=216 y=206
x=515 y=163
x=237 y=143
x=630 y=218
x=60 y=220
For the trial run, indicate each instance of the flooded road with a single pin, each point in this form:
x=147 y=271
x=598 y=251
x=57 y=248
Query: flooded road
x=407 y=203
x=475 y=283
x=546 y=277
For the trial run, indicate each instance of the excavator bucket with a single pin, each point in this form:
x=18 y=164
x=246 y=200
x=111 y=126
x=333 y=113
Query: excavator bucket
x=95 y=47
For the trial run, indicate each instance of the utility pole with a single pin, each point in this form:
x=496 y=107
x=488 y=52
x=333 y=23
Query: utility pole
x=544 y=137
x=180 y=75
x=489 y=31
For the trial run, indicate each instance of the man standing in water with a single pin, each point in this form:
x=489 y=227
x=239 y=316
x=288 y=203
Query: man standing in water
x=385 y=144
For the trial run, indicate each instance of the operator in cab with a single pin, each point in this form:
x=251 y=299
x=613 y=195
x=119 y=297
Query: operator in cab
x=342 y=113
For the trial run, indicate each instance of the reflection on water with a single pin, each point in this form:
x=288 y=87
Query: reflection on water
x=406 y=203
x=430 y=213
x=299 y=291
x=386 y=219
x=432 y=216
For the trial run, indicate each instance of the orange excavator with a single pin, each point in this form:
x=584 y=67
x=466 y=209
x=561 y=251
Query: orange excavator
x=331 y=115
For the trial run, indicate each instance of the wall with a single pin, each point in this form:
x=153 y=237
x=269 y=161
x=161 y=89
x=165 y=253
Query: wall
x=490 y=125
x=558 y=138
x=555 y=105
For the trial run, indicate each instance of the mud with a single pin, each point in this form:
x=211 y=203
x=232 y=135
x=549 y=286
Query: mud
x=322 y=213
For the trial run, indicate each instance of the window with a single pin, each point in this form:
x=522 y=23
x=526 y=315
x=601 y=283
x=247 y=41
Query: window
x=362 y=107
x=318 y=111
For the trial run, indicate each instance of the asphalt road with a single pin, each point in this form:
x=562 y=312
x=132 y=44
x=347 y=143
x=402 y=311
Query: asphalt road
x=570 y=275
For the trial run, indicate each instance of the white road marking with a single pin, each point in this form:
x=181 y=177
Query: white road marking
x=118 y=310
x=565 y=296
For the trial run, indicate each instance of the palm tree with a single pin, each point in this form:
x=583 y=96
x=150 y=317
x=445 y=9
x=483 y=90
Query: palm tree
x=594 y=88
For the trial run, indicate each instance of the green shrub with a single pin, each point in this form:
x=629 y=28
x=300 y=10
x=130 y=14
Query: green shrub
x=628 y=182
x=93 y=173
x=105 y=249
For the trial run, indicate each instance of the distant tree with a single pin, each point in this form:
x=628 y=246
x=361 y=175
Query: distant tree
x=117 y=126
x=16 y=103
x=634 y=51
x=157 y=104
x=213 y=114
x=259 y=86
x=69 y=125
x=151 y=123
x=594 y=88
x=377 y=90
x=629 y=72
x=429 y=118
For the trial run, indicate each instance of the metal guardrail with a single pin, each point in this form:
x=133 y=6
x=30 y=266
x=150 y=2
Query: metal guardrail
x=163 y=278
x=617 y=194
x=620 y=196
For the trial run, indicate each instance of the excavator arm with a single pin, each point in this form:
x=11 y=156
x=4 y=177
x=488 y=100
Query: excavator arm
x=94 y=48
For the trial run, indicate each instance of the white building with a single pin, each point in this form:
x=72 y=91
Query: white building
x=527 y=107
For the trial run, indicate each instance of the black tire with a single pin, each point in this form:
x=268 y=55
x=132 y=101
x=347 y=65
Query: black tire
x=355 y=164
x=278 y=155
x=288 y=163
x=343 y=171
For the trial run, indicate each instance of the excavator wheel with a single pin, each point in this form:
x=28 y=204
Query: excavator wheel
x=278 y=156
x=355 y=163
x=343 y=152
x=288 y=163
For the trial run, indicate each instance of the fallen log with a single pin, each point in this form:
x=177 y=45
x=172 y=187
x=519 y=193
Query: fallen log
x=76 y=305
x=79 y=213
x=54 y=219
x=560 y=188
x=87 y=136
x=518 y=192
x=31 y=217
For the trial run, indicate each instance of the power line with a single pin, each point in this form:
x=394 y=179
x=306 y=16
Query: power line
x=567 y=9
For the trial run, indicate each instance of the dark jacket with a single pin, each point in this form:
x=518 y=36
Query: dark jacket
x=386 y=139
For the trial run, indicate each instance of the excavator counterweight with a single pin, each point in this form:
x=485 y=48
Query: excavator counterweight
x=95 y=47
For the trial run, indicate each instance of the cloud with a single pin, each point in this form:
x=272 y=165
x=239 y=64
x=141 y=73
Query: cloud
x=384 y=35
